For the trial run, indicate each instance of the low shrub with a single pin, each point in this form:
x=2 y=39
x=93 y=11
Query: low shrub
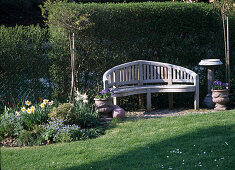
x=63 y=112
x=11 y=125
x=57 y=131
x=31 y=137
x=80 y=113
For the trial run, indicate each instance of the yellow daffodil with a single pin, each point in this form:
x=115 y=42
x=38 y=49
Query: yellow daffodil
x=17 y=113
x=28 y=103
x=51 y=103
x=32 y=108
x=45 y=101
x=42 y=105
x=28 y=111
x=23 y=109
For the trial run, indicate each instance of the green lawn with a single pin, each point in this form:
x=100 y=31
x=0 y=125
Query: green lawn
x=198 y=141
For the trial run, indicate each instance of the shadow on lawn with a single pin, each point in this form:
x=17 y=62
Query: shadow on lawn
x=211 y=148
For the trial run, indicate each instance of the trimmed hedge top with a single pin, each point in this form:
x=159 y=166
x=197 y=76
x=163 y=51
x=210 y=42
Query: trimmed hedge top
x=184 y=31
x=141 y=17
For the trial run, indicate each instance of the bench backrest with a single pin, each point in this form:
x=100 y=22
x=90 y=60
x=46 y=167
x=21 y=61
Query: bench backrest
x=147 y=72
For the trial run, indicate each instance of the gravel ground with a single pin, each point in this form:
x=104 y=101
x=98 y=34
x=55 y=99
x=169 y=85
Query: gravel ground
x=165 y=113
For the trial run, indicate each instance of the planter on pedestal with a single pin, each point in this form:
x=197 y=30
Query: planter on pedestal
x=220 y=97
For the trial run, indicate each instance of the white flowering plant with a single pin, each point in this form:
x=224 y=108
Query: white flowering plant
x=79 y=97
x=84 y=113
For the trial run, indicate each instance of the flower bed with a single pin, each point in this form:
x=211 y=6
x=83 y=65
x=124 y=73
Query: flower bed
x=47 y=123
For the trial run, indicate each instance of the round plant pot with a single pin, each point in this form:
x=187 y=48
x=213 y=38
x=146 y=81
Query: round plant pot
x=104 y=106
x=220 y=98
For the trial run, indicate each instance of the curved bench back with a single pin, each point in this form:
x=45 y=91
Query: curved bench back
x=147 y=72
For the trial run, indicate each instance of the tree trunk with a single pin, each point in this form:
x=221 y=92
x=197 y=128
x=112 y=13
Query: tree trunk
x=72 y=51
x=228 y=63
x=226 y=45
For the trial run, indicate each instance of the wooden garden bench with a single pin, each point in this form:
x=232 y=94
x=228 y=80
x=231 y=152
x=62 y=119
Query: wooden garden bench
x=139 y=77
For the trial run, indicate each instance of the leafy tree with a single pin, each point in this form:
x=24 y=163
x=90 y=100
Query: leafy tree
x=225 y=6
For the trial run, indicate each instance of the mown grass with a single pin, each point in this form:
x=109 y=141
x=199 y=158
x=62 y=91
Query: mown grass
x=199 y=141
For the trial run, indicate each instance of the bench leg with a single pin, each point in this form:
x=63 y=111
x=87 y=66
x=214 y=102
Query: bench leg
x=196 y=100
x=115 y=100
x=170 y=98
x=148 y=100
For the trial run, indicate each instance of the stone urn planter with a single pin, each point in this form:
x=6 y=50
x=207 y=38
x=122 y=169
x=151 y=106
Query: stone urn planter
x=220 y=98
x=104 y=106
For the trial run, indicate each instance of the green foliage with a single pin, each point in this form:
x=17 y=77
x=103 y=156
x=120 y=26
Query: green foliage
x=24 y=63
x=10 y=126
x=85 y=115
x=63 y=112
x=31 y=137
x=80 y=113
x=57 y=131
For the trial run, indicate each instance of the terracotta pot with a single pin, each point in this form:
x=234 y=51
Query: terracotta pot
x=220 y=97
x=104 y=106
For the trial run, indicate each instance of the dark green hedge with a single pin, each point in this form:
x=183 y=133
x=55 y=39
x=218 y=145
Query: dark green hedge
x=177 y=33
x=24 y=63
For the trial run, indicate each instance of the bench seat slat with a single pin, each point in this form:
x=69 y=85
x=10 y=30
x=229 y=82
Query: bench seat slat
x=131 y=90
